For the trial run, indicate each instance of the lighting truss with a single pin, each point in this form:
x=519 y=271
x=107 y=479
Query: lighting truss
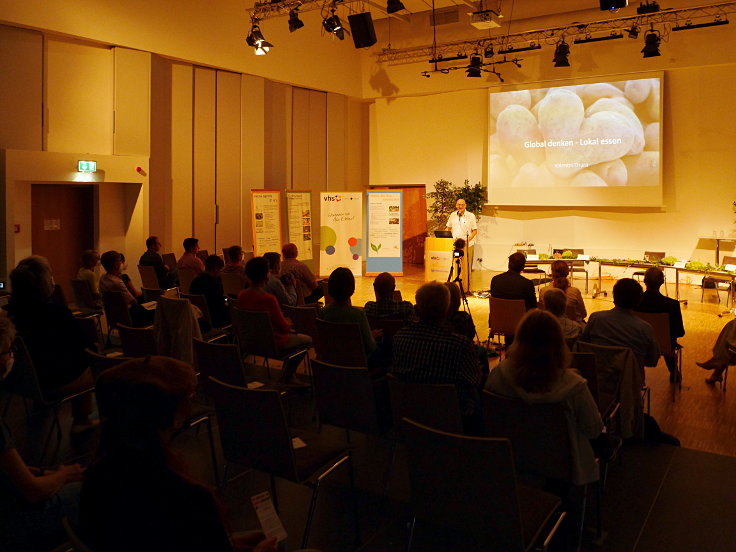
x=668 y=18
x=268 y=10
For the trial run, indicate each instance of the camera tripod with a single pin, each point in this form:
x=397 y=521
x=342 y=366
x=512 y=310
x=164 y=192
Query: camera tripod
x=459 y=281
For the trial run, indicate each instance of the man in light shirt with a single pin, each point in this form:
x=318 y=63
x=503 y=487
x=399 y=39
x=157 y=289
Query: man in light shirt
x=463 y=224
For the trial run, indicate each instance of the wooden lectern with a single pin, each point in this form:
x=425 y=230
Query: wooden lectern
x=438 y=259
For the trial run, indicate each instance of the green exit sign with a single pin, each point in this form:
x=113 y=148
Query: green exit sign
x=87 y=166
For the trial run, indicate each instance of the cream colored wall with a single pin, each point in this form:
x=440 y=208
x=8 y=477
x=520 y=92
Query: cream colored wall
x=205 y=33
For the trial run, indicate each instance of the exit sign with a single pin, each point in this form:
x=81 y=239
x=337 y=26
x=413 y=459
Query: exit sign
x=87 y=166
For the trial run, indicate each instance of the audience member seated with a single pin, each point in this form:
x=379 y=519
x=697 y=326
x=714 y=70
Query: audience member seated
x=385 y=306
x=457 y=321
x=55 y=339
x=560 y=270
x=258 y=299
x=209 y=284
x=152 y=257
x=425 y=352
x=311 y=291
x=189 y=259
x=512 y=285
x=32 y=503
x=281 y=287
x=620 y=327
x=138 y=494
x=536 y=370
x=722 y=357
x=654 y=301
x=234 y=263
x=342 y=286
x=112 y=262
x=90 y=260
x=554 y=301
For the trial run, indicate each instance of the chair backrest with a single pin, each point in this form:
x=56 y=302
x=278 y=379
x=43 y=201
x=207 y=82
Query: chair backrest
x=186 y=276
x=585 y=364
x=232 y=283
x=150 y=294
x=326 y=291
x=505 y=314
x=219 y=360
x=660 y=323
x=304 y=319
x=388 y=325
x=433 y=405
x=175 y=325
x=137 y=342
x=202 y=254
x=99 y=363
x=199 y=301
x=340 y=344
x=728 y=260
x=83 y=294
x=254 y=332
x=148 y=277
x=169 y=260
x=116 y=308
x=575 y=264
x=538 y=433
x=253 y=428
x=23 y=381
x=397 y=295
x=465 y=483
x=345 y=398
x=654 y=256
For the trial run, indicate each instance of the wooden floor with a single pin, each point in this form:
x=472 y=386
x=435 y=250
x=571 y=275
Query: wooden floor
x=702 y=416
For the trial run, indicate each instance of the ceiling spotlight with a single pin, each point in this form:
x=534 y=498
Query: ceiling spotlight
x=333 y=25
x=294 y=21
x=475 y=67
x=651 y=44
x=562 y=51
x=256 y=40
x=392 y=6
x=633 y=32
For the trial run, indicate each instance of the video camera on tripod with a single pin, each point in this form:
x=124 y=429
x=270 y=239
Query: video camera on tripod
x=458 y=248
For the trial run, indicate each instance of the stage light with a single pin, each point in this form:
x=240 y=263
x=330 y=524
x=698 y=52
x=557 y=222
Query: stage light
x=651 y=44
x=294 y=21
x=256 y=40
x=475 y=67
x=588 y=38
x=633 y=32
x=488 y=52
x=510 y=48
x=392 y=6
x=332 y=24
x=562 y=52
x=690 y=25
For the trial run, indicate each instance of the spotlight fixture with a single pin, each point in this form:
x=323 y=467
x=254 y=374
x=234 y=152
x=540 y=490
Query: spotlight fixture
x=488 y=52
x=633 y=32
x=510 y=48
x=256 y=40
x=691 y=25
x=294 y=21
x=392 y=6
x=651 y=44
x=475 y=67
x=588 y=38
x=440 y=58
x=562 y=52
x=332 y=24
x=647 y=7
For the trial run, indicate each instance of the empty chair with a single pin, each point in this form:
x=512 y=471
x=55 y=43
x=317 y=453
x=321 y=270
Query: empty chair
x=232 y=283
x=504 y=315
x=99 y=363
x=222 y=361
x=169 y=260
x=578 y=267
x=651 y=257
x=660 y=322
x=137 y=342
x=186 y=275
x=717 y=281
x=340 y=344
x=532 y=267
x=468 y=484
x=200 y=301
x=254 y=433
x=304 y=319
x=387 y=325
x=116 y=311
x=203 y=254
x=148 y=277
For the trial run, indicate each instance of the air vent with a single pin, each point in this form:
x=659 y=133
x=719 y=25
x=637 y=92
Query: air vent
x=445 y=16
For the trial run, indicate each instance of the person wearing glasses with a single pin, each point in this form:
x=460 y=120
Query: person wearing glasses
x=32 y=502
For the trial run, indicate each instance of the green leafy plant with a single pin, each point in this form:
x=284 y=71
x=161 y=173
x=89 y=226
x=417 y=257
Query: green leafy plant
x=543 y=256
x=445 y=196
x=669 y=260
x=567 y=254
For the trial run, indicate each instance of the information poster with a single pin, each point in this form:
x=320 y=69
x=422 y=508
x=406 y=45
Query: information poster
x=384 y=248
x=266 y=209
x=299 y=221
x=341 y=231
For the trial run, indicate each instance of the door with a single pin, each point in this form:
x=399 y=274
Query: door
x=62 y=226
x=414 y=224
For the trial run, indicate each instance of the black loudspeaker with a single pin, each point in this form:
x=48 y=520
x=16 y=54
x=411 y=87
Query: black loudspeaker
x=613 y=4
x=361 y=25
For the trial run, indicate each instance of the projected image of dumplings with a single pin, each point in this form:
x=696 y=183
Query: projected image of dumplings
x=591 y=135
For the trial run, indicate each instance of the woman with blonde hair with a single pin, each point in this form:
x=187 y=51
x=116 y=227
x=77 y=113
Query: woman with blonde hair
x=575 y=304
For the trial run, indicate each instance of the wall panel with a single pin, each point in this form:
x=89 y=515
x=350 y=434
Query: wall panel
x=204 y=157
x=253 y=148
x=21 y=89
x=228 y=160
x=182 y=122
x=160 y=192
x=79 y=97
x=336 y=146
x=132 y=102
x=278 y=136
x=317 y=137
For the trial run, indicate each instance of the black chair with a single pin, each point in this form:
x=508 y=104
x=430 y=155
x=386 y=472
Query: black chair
x=99 y=363
x=137 y=342
x=578 y=267
x=254 y=433
x=340 y=344
x=468 y=484
x=200 y=301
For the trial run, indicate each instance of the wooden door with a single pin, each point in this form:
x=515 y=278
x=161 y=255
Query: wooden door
x=62 y=226
x=414 y=224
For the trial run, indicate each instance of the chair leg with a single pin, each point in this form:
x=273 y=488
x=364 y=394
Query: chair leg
x=354 y=498
x=213 y=452
x=310 y=514
x=389 y=468
x=412 y=525
x=274 y=494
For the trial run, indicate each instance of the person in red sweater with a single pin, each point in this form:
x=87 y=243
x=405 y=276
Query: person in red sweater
x=258 y=299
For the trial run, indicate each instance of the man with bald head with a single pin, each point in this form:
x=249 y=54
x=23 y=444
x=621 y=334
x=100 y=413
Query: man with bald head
x=464 y=225
x=385 y=306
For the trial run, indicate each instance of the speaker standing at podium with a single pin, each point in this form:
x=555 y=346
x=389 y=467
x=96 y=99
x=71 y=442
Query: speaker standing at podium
x=463 y=224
